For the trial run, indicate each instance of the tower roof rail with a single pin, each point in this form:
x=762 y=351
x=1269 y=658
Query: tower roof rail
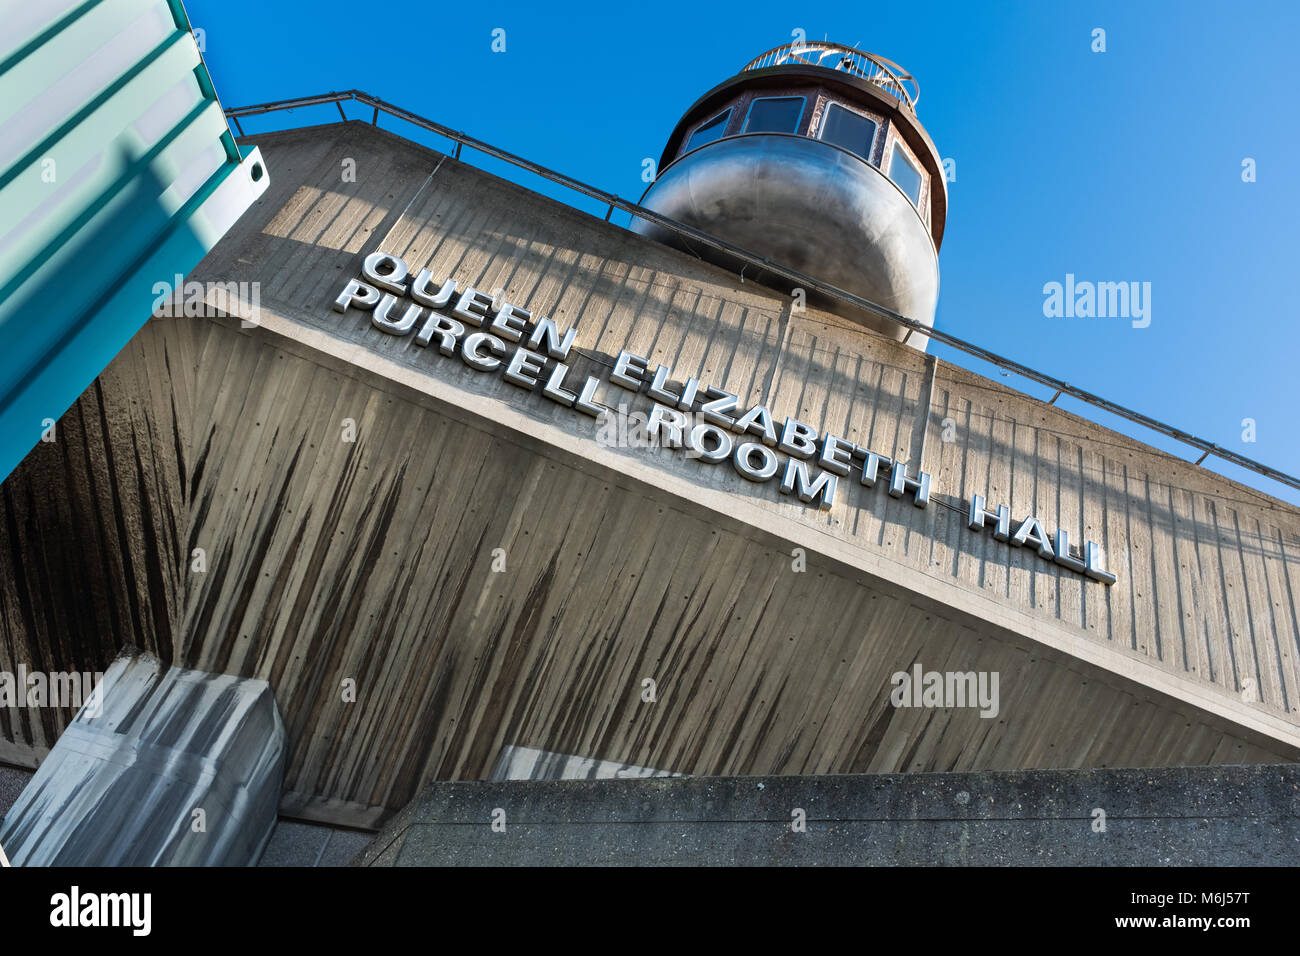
x=878 y=70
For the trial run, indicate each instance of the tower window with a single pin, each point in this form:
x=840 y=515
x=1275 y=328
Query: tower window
x=848 y=129
x=905 y=175
x=774 y=114
x=708 y=132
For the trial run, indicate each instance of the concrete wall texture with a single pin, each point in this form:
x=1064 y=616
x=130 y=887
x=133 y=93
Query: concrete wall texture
x=1190 y=816
x=371 y=561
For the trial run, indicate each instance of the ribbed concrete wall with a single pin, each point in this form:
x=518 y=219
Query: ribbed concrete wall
x=1221 y=816
x=372 y=560
x=92 y=543
x=1209 y=571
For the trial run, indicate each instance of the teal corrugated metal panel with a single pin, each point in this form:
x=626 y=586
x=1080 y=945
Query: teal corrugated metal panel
x=117 y=172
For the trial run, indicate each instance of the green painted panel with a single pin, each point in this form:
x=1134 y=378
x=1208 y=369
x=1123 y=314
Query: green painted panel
x=117 y=172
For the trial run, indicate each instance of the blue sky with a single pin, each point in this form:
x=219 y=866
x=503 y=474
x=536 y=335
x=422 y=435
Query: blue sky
x=1117 y=166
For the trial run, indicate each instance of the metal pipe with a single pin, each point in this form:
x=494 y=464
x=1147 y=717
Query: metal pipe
x=792 y=275
x=289 y=104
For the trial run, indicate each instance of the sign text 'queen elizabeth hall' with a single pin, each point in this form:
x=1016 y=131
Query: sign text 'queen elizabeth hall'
x=491 y=335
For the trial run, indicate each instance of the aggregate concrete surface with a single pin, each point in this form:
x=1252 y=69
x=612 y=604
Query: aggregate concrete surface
x=1206 y=816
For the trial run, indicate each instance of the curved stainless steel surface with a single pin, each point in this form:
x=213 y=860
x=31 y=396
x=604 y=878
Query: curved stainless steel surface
x=810 y=206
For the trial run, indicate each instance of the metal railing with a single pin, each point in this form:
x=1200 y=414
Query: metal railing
x=1207 y=448
x=876 y=70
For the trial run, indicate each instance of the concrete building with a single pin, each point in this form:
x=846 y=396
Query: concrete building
x=603 y=507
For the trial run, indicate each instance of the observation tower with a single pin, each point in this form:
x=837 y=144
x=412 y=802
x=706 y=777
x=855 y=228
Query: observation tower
x=813 y=157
